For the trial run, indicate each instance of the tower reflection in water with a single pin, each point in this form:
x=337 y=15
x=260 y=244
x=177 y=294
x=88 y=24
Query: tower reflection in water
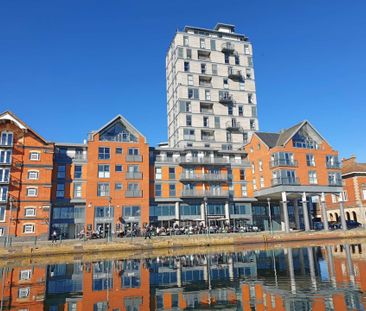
x=319 y=278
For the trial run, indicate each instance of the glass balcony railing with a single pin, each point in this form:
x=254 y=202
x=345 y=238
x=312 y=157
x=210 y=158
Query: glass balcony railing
x=283 y=162
x=203 y=177
x=194 y=193
x=285 y=181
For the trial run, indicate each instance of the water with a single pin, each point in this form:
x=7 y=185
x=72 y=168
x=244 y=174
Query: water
x=329 y=277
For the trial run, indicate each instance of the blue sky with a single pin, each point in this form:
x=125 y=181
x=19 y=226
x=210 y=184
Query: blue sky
x=68 y=67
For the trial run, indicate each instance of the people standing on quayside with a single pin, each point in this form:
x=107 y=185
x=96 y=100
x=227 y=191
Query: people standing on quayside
x=54 y=236
x=148 y=232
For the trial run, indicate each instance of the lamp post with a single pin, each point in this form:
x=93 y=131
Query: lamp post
x=9 y=221
x=206 y=215
x=270 y=215
x=109 y=215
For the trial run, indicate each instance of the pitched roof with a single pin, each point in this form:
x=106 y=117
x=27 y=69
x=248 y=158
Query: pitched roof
x=128 y=125
x=270 y=139
x=280 y=139
x=8 y=115
x=350 y=166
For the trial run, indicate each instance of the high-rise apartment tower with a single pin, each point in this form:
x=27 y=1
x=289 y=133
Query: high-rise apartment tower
x=211 y=99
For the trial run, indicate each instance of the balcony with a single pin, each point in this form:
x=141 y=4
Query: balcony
x=285 y=181
x=133 y=175
x=165 y=159
x=204 y=160
x=134 y=158
x=333 y=165
x=235 y=75
x=335 y=182
x=204 y=177
x=227 y=47
x=226 y=99
x=282 y=162
x=193 y=193
x=133 y=194
x=233 y=126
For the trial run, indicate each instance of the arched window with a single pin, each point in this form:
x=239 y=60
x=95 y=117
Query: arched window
x=6 y=138
x=354 y=216
x=331 y=217
x=348 y=216
x=336 y=216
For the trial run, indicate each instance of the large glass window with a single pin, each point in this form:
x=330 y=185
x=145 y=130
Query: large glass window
x=4 y=174
x=3 y=193
x=103 y=171
x=104 y=153
x=5 y=156
x=103 y=190
x=63 y=213
x=239 y=209
x=6 y=139
x=104 y=211
x=131 y=211
x=190 y=209
x=215 y=209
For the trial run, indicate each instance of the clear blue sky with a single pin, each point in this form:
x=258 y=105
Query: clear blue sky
x=68 y=67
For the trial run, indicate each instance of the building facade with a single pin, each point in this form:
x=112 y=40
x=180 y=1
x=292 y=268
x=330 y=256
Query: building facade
x=211 y=96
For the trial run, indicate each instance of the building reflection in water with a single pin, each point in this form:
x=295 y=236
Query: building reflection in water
x=320 y=278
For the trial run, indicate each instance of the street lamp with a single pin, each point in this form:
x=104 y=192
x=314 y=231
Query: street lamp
x=270 y=215
x=11 y=200
x=109 y=215
x=206 y=215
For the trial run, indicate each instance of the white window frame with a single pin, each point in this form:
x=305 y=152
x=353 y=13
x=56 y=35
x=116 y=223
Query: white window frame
x=158 y=175
x=4 y=170
x=3 y=219
x=2 y=231
x=25 y=274
x=32 y=226
x=34 y=156
x=78 y=193
x=313 y=177
x=5 y=143
x=32 y=188
x=7 y=156
x=104 y=173
x=28 y=209
x=36 y=177
x=23 y=292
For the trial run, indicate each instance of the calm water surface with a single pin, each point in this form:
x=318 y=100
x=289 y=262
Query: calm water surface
x=310 y=278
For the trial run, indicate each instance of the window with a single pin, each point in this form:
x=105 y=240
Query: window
x=190 y=80
x=3 y=193
x=334 y=179
x=240 y=111
x=254 y=112
x=34 y=156
x=213 y=45
x=230 y=110
x=246 y=49
x=260 y=164
x=186 y=66
x=252 y=124
x=203 y=68
x=193 y=93
x=158 y=174
x=185 y=41
x=345 y=196
x=248 y=73
x=131 y=211
x=205 y=121
x=242 y=174
x=227 y=58
x=133 y=187
x=32 y=192
x=312 y=177
x=118 y=168
x=104 y=153
x=171 y=172
x=28 y=228
x=118 y=186
x=214 y=69
x=241 y=86
x=2 y=213
x=4 y=174
x=78 y=171
x=244 y=191
x=158 y=190
x=254 y=184
x=119 y=150
x=25 y=275
x=172 y=190
x=180 y=52
x=103 y=190
x=253 y=168
x=2 y=231
x=133 y=151
x=23 y=292
x=202 y=43
x=188 y=134
x=60 y=191
x=189 y=53
x=226 y=83
x=364 y=194
x=5 y=156
x=250 y=61
x=217 y=122
x=237 y=60
x=245 y=138
x=77 y=190
x=310 y=160
x=250 y=98
x=229 y=137
x=261 y=182
x=61 y=171
x=103 y=171
x=188 y=120
x=6 y=139
x=29 y=212
x=207 y=95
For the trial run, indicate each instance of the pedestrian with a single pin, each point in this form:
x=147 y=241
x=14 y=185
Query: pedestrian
x=148 y=232
x=54 y=236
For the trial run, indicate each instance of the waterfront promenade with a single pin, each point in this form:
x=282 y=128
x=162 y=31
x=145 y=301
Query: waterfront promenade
x=174 y=244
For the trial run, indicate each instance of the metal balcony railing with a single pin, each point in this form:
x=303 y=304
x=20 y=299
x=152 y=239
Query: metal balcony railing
x=226 y=99
x=282 y=162
x=233 y=126
x=134 y=158
x=235 y=75
x=133 y=194
x=285 y=181
x=227 y=47
x=133 y=175
x=193 y=193
x=203 y=177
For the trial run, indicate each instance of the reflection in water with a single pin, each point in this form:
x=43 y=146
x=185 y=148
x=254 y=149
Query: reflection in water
x=311 y=278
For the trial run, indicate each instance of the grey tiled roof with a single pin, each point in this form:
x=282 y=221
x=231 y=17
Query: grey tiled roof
x=270 y=139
